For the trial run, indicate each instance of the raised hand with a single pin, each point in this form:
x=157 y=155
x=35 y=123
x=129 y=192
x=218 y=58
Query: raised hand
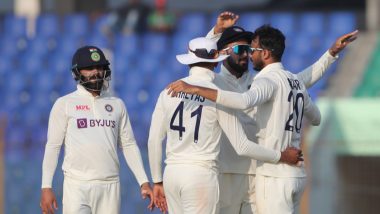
x=225 y=19
x=146 y=191
x=48 y=202
x=342 y=42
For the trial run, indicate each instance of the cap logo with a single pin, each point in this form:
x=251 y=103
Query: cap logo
x=95 y=56
x=238 y=29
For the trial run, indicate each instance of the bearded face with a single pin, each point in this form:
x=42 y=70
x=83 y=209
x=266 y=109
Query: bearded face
x=92 y=78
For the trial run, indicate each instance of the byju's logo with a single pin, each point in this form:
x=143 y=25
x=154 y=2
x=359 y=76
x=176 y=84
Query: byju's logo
x=82 y=123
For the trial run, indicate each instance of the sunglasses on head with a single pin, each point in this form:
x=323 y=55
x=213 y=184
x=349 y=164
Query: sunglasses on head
x=204 y=53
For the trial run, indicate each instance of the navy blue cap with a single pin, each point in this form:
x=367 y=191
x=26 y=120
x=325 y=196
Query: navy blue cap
x=88 y=56
x=232 y=34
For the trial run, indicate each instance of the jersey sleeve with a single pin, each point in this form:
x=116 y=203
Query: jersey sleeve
x=57 y=127
x=312 y=112
x=212 y=36
x=261 y=91
x=239 y=141
x=313 y=73
x=129 y=147
x=157 y=134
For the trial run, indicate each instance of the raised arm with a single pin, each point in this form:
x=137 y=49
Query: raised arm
x=225 y=20
x=313 y=73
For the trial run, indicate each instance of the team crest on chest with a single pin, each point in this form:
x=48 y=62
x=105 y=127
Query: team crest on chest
x=108 y=108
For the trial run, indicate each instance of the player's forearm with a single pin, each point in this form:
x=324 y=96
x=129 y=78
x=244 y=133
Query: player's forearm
x=232 y=100
x=258 y=152
x=155 y=160
x=212 y=34
x=133 y=158
x=208 y=93
x=260 y=92
x=49 y=164
x=313 y=73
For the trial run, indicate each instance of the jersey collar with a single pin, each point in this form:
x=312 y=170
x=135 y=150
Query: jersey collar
x=202 y=73
x=271 y=67
x=226 y=73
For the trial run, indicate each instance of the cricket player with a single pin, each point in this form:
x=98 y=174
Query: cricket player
x=91 y=124
x=281 y=102
x=237 y=173
x=192 y=126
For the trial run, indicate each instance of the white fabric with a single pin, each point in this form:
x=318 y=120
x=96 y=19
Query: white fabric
x=275 y=98
x=237 y=193
x=230 y=162
x=211 y=119
x=278 y=195
x=191 y=189
x=91 y=128
x=81 y=197
x=199 y=43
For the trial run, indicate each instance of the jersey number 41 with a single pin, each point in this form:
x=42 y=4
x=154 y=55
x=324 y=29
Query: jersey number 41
x=180 y=128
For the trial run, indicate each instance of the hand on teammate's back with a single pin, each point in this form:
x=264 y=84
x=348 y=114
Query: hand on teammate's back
x=159 y=197
x=180 y=86
x=146 y=191
x=291 y=156
x=225 y=20
x=48 y=201
x=342 y=42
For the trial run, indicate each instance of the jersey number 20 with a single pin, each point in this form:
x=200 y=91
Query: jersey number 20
x=180 y=128
x=295 y=117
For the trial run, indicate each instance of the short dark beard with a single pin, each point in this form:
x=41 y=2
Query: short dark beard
x=236 y=67
x=92 y=86
x=258 y=66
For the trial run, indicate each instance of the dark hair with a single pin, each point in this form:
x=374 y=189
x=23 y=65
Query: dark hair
x=272 y=39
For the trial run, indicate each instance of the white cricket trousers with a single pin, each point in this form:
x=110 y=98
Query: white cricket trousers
x=237 y=193
x=84 y=197
x=275 y=195
x=191 y=189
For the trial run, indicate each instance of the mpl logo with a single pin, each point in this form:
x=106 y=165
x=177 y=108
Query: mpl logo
x=82 y=108
x=82 y=123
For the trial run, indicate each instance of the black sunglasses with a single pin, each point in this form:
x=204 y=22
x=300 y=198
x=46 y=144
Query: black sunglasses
x=204 y=53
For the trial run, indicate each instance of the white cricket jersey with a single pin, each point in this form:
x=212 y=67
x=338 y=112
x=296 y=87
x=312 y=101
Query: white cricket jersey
x=91 y=129
x=230 y=162
x=193 y=126
x=281 y=101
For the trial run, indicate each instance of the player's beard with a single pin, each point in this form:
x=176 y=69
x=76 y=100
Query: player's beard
x=92 y=83
x=238 y=68
x=258 y=65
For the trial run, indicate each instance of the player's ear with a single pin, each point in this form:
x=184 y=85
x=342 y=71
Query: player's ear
x=266 y=54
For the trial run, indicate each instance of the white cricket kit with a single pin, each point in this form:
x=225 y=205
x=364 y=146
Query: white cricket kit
x=232 y=166
x=193 y=126
x=281 y=101
x=91 y=128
